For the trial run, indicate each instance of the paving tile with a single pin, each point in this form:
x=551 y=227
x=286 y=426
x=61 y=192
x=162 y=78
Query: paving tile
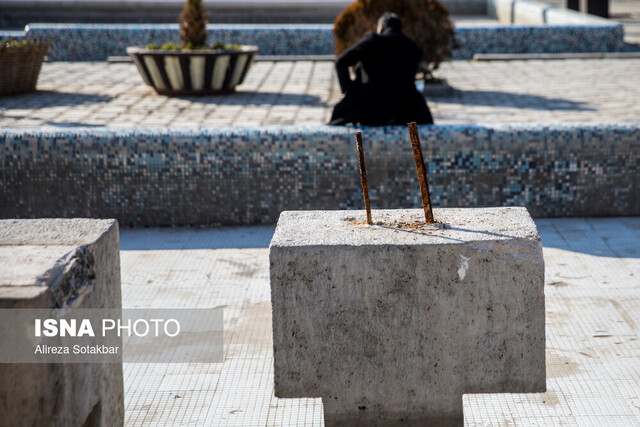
x=593 y=339
x=486 y=92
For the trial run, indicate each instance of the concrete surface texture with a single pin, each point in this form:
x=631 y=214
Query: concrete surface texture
x=393 y=323
x=29 y=271
x=62 y=264
x=592 y=299
x=304 y=92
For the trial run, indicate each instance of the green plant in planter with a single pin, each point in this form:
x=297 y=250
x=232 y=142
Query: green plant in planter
x=193 y=31
x=14 y=43
x=426 y=22
x=227 y=46
x=192 y=67
x=179 y=47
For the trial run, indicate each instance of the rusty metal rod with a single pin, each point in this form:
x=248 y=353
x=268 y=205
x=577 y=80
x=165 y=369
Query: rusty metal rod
x=422 y=173
x=363 y=177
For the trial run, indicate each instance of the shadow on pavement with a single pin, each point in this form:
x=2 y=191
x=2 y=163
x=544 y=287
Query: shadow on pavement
x=257 y=98
x=72 y=125
x=50 y=98
x=604 y=237
x=515 y=100
x=145 y=239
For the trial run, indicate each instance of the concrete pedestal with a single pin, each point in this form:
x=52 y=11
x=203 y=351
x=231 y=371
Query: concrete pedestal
x=61 y=264
x=393 y=323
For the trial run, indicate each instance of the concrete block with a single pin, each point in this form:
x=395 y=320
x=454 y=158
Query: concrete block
x=61 y=264
x=393 y=323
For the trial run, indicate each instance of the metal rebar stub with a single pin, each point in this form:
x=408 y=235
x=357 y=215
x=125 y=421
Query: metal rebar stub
x=422 y=173
x=363 y=177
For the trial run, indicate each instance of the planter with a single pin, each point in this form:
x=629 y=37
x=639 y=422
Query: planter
x=193 y=72
x=20 y=64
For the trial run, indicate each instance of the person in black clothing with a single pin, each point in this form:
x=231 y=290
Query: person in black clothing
x=384 y=91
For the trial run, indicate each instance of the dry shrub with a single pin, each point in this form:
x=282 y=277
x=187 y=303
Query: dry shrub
x=426 y=22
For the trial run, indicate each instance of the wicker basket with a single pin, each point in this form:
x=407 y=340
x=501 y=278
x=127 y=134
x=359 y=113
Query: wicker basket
x=20 y=66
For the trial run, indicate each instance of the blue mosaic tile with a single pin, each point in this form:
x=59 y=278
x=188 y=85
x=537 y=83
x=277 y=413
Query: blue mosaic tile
x=248 y=175
x=538 y=39
x=95 y=42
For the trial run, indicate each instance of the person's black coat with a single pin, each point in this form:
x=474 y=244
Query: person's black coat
x=384 y=92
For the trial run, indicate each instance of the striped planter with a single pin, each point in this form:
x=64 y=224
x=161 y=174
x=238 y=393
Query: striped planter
x=194 y=72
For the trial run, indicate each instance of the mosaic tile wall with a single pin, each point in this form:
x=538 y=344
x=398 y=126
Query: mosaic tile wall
x=232 y=176
x=537 y=39
x=95 y=42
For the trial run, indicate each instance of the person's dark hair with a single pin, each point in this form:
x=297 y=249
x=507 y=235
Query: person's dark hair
x=390 y=22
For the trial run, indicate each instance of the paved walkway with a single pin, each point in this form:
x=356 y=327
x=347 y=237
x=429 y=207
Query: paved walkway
x=304 y=92
x=592 y=287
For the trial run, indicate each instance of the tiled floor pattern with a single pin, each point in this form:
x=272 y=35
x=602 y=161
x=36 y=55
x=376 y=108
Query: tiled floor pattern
x=304 y=92
x=593 y=318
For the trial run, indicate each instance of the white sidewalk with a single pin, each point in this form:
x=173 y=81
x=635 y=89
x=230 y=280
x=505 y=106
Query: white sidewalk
x=593 y=330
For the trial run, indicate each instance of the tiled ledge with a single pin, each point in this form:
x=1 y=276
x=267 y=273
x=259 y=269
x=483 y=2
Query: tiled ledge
x=96 y=42
x=248 y=175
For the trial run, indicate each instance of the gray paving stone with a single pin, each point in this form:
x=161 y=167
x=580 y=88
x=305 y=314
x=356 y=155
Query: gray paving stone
x=553 y=91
